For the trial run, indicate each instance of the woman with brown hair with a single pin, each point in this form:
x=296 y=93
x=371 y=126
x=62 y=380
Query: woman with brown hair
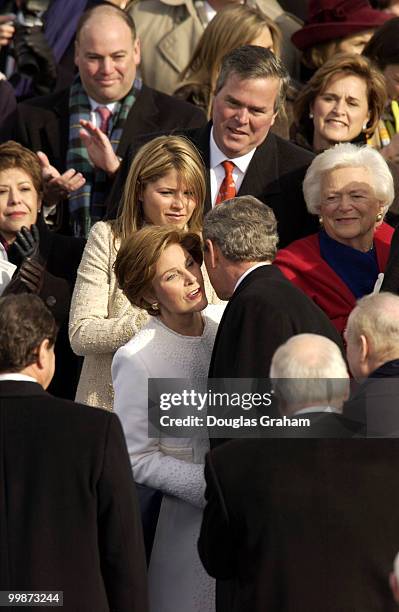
x=45 y=262
x=342 y=102
x=165 y=185
x=159 y=270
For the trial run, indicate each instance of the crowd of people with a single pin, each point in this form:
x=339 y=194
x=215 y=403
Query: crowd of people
x=205 y=192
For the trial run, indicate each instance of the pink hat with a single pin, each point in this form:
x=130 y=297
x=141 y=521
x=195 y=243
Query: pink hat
x=329 y=19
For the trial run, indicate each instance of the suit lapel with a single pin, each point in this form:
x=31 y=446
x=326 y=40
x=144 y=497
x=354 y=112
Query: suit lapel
x=262 y=175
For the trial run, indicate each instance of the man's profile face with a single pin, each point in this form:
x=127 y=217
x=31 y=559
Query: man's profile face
x=107 y=57
x=243 y=113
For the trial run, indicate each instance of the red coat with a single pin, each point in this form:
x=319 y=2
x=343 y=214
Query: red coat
x=302 y=264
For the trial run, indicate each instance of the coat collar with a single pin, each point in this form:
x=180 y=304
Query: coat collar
x=16 y=388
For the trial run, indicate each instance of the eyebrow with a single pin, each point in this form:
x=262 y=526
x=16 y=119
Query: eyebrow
x=189 y=258
x=27 y=182
x=230 y=98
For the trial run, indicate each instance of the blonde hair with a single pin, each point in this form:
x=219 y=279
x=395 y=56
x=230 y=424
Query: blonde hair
x=232 y=27
x=138 y=255
x=153 y=161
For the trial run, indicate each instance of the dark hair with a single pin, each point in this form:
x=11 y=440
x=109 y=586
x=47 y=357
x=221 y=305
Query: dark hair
x=14 y=155
x=383 y=46
x=106 y=8
x=253 y=62
x=24 y=323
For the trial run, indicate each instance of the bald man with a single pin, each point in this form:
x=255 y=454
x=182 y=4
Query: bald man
x=309 y=377
x=372 y=337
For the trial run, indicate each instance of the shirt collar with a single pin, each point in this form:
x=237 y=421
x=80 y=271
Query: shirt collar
x=94 y=105
x=312 y=409
x=217 y=156
x=251 y=269
x=17 y=376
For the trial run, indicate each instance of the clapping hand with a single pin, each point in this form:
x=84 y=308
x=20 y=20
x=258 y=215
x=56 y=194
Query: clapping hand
x=99 y=148
x=27 y=241
x=29 y=277
x=58 y=186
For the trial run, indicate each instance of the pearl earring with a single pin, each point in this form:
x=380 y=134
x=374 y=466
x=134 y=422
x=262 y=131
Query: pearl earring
x=365 y=126
x=311 y=115
x=378 y=217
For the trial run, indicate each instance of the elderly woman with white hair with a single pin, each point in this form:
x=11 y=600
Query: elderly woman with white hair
x=351 y=189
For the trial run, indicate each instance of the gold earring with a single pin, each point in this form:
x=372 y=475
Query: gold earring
x=379 y=217
x=321 y=220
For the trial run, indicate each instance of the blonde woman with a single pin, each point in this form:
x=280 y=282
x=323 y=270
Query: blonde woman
x=232 y=27
x=165 y=185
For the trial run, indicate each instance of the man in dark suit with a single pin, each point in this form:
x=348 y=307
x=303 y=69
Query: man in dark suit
x=70 y=520
x=302 y=525
x=238 y=148
x=372 y=336
x=264 y=309
x=106 y=104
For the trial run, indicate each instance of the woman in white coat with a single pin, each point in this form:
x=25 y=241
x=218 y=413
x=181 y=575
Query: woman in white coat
x=159 y=269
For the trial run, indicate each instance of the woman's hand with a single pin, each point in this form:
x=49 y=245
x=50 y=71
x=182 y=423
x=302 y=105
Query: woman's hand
x=27 y=241
x=58 y=186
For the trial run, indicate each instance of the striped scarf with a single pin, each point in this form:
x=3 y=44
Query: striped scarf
x=87 y=204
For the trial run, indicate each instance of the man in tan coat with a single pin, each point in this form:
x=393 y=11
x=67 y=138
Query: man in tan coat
x=169 y=31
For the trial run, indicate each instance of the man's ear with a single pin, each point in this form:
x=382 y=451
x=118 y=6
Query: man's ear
x=364 y=348
x=213 y=253
x=42 y=354
x=137 y=51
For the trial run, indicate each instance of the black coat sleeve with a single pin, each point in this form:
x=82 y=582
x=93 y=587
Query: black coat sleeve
x=120 y=533
x=216 y=544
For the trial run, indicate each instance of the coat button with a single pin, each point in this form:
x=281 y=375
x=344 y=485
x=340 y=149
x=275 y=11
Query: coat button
x=51 y=301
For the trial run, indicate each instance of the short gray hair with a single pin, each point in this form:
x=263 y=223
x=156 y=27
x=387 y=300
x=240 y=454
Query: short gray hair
x=243 y=228
x=253 y=62
x=309 y=369
x=346 y=155
x=376 y=316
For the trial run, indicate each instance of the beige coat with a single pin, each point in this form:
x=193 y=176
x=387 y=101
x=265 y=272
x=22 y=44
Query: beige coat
x=169 y=31
x=101 y=318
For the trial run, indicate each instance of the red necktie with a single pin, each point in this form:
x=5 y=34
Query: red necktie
x=227 y=188
x=105 y=116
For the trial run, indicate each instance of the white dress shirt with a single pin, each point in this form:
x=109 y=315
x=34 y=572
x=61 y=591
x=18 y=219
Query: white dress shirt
x=95 y=117
x=17 y=376
x=251 y=269
x=217 y=172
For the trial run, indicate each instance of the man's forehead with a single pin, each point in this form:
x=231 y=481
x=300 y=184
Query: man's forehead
x=102 y=22
x=242 y=83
